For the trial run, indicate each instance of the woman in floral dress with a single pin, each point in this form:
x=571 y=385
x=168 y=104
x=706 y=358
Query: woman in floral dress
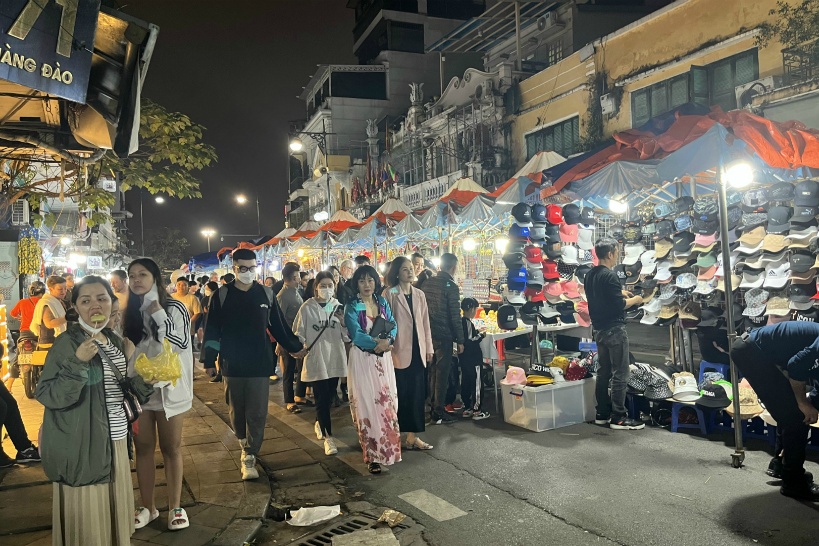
x=371 y=378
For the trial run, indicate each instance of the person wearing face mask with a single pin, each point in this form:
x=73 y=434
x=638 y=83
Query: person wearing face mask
x=151 y=318
x=85 y=427
x=236 y=333
x=320 y=327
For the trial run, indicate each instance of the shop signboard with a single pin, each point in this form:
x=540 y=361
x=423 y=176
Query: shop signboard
x=48 y=44
x=94 y=262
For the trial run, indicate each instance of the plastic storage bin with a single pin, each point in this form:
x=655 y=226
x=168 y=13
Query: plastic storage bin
x=550 y=406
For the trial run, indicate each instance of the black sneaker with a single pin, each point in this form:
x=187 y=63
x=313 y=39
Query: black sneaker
x=6 y=461
x=775 y=468
x=442 y=419
x=626 y=423
x=216 y=378
x=805 y=490
x=600 y=419
x=30 y=455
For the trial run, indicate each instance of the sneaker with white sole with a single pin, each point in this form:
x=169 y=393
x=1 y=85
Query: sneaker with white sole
x=600 y=419
x=626 y=423
x=249 y=471
x=480 y=415
x=330 y=446
x=317 y=429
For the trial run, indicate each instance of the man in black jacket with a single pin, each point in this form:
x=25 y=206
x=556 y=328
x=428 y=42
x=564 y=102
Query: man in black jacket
x=443 y=300
x=239 y=316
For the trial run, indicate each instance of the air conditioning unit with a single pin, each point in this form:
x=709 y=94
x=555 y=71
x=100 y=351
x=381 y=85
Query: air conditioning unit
x=547 y=21
x=746 y=92
x=608 y=103
x=20 y=214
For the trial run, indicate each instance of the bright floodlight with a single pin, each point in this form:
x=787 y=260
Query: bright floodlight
x=65 y=241
x=739 y=175
x=436 y=261
x=207 y=232
x=501 y=243
x=300 y=253
x=296 y=145
x=159 y=199
x=321 y=216
x=618 y=207
x=470 y=244
x=241 y=199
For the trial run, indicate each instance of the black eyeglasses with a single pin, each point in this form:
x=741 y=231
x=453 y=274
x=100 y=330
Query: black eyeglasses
x=243 y=269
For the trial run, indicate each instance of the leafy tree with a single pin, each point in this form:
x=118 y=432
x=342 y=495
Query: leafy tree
x=167 y=247
x=795 y=25
x=170 y=154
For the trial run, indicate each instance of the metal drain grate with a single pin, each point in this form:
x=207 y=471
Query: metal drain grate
x=359 y=522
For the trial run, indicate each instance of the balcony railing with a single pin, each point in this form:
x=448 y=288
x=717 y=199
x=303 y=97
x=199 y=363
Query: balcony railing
x=800 y=65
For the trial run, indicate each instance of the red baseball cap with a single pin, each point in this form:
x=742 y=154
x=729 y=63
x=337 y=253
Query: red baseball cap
x=533 y=254
x=554 y=214
x=534 y=294
x=550 y=272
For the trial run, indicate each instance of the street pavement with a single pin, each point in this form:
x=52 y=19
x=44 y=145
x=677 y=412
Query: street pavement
x=223 y=509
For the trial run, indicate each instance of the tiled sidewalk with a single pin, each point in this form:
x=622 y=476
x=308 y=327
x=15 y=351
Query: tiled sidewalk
x=223 y=510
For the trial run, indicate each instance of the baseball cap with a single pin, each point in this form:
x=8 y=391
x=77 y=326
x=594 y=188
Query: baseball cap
x=684 y=222
x=632 y=234
x=669 y=311
x=633 y=272
x=522 y=213
x=568 y=255
x=801 y=262
x=550 y=272
x=801 y=305
x=535 y=279
x=802 y=293
x=803 y=278
x=752 y=236
x=777 y=307
x=706 y=209
x=554 y=214
x=620 y=271
x=773 y=243
x=735 y=282
x=704 y=242
x=665 y=228
x=568 y=232
x=803 y=215
x=710 y=316
x=650 y=317
x=755 y=300
x=667 y=293
x=515 y=247
x=516 y=278
x=684 y=203
x=747 y=248
x=683 y=241
x=781 y=191
x=649 y=262
x=538 y=214
x=707 y=260
x=537 y=233
x=534 y=294
x=581 y=272
x=514 y=297
x=806 y=194
x=752 y=219
x=663 y=272
x=570 y=289
x=752 y=279
x=664 y=209
x=552 y=233
x=571 y=214
x=516 y=231
x=507 y=318
x=707 y=273
x=554 y=289
x=779 y=219
x=587 y=216
x=553 y=250
x=755 y=200
x=513 y=259
x=585 y=238
x=734 y=217
x=706 y=227
x=777 y=276
x=633 y=253
x=534 y=256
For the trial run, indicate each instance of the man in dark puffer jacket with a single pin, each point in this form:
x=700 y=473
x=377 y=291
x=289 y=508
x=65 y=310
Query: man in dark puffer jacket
x=443 y=299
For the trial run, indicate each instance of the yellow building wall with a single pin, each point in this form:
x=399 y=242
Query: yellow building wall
x=665 y=45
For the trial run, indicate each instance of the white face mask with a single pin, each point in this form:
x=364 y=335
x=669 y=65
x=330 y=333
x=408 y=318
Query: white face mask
x=90 y=329
x=246 y=278
x=325 y=293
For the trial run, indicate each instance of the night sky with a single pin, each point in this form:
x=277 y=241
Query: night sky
x=236 y=67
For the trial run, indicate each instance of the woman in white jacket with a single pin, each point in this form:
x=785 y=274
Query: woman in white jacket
x=320 y=327
x=150 y=318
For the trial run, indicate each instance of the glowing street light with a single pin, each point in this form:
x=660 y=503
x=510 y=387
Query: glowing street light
x=470 y=244
x=66 y=241
x=208 y=233
x=739 y=175
x=296 y=145
x=241 y=199
x=321 y=216
x=618 y=207
x=159 y=199
x=501 y=243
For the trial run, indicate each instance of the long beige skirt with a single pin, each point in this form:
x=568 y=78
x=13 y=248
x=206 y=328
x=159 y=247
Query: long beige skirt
x=96 y=515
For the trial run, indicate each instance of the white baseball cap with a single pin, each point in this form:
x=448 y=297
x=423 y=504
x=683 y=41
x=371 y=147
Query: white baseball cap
x=585 y=238
x=778 y=275
x=633 y=253
x=663 y=272
x=649 y=261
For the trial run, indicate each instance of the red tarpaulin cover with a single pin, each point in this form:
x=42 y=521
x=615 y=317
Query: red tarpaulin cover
x=787 y=145
x=337 y=226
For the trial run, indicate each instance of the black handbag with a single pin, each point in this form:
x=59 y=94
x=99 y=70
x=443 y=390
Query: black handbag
x=132 y=395
x=381 y=328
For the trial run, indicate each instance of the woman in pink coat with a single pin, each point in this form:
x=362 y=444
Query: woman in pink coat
x=412 y=349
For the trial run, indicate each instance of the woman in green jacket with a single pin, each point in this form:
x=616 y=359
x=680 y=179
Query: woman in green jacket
x=84 y=445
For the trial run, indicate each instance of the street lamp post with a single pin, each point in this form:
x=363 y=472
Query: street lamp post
x=242 y=200
x=296 y=146
x=208 y=233
x=159 y=200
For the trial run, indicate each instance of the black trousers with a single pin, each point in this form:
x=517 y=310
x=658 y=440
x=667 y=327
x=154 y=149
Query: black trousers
x=776 y=393
x=11 y=419
x=291 y=372
x=439 y=374
x=324 y=391
x=454 y=382
x=471 y=386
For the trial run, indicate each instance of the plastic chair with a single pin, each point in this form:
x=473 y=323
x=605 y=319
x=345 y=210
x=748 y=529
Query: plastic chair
x=702 y=423
x=706 y=366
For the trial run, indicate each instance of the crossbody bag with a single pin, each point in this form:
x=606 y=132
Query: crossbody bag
x=132 y=397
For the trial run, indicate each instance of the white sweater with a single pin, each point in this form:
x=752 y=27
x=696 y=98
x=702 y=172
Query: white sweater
x=328 y=357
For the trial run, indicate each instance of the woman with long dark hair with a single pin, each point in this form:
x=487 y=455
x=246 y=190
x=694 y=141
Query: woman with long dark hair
x=412 y=350
x=151 y=318
x=371 y=378
x=85 y=426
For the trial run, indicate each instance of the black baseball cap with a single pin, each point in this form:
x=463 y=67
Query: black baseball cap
x=803 y=214
x=705 y=227
x=571 y=214
x=683 y=241
x=515 y=247
x=801 y=293
x=522 y=213
x=539 y=214
x=633 y=272
x=806 y=194
x=665 y=228
x=617 y=233
x=587 y=216
x=734 y=217
x=801 y=262
x=552 y=233
x=512 y=259
x=710 y=316
x=620 y=271
x=781 y=191
x=507 y=317
x=581 y=273
x=779 y=219
x=684 y=203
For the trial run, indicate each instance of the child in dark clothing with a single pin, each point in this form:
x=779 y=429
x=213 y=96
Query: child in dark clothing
x=471 y=361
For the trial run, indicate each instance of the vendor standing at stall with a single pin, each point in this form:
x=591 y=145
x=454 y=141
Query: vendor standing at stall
x=779 y=362
x=607 y=304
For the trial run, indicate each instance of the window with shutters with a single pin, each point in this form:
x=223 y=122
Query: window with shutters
x=725 y=75
x=658 y=98
x=562 y=138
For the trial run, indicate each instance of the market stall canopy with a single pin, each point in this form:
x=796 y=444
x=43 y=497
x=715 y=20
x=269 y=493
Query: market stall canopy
x=349 y=237
x=407 y=227
x=462 y=192
x=340 y=221
x=309 y=226
x=780 y=145
x=478 y=213
x=393 y=209
x=206 y=261
x=541 y=161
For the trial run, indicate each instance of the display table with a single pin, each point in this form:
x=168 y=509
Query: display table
x=493 y=352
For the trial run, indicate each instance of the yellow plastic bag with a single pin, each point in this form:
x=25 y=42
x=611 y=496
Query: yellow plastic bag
x=165 y=366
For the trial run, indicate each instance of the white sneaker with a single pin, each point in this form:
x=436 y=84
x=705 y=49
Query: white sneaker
x=249 y=471
x=317 y=428
x=330 y=446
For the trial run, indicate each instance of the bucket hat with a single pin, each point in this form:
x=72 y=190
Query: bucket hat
x=706 y=287
x=657 y=388
x=514 y=376
x=685 y=387
x=749 y=406
x=715 y=395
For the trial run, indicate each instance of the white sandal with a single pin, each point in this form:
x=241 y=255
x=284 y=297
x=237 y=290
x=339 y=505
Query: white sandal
x=143 y=516
x=178 y=514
